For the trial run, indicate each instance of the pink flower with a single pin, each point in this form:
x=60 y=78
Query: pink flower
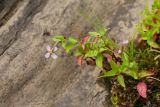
x=142 y=89
x=50 y=52
x=119 y=51
x=79 y=60
x=124 y=42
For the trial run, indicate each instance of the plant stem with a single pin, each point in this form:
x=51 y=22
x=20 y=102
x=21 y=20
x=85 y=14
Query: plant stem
x=153 y=78
x=154 y=50
x=55 y=44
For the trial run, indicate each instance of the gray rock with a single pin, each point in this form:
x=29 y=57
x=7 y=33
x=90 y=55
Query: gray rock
x=27 y=79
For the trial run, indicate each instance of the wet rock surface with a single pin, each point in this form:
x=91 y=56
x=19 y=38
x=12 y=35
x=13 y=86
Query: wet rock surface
x=27 y=79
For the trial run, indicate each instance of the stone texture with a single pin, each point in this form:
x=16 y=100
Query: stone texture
x=27 y=79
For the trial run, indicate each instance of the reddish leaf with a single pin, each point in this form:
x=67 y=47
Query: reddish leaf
x=79 y=60
x=84 y=40
x=95 y=40
x=115 y=78
x=154 y=20
x=149 y=27
x=142 y=89
x=157 y=38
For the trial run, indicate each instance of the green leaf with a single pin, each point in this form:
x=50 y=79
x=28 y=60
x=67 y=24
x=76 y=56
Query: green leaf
x=58 y=38
x=94 y=46
x=153 y=44
x=110 y=73
x=130 y=69
x=102 y=31
x=123 y=67
x=144 y=37
x=114 y=100
x=88 y=46
x=79 y=51
x=95 y=34
x=126 y=58
x=68 y=47
x=72 y=40
x=144 y=73
x=63 y=44
x=156 y=4
x=121 y=81
x=109 y=41
x=133 y=65
x=114 y=66
x=102 y=49
x=99 y=60
x=132 y=73
x=91 y=53
x=101 y=43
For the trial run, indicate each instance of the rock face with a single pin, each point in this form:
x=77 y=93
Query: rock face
x=27 y=79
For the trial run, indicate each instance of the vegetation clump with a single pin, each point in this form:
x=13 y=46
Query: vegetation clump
x=134 y=69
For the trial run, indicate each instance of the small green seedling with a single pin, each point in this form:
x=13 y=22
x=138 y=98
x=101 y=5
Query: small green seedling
x=126 y=68
x=91 y=46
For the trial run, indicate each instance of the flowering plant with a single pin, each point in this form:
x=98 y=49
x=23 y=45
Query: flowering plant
x=133 y=68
